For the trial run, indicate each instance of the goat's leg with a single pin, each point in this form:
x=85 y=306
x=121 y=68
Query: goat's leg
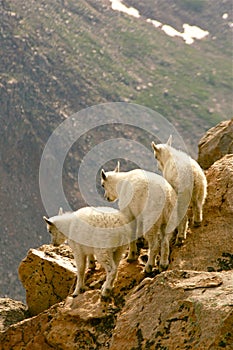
x=107 y=261
x=80 y=260
x=182 y=230
x=197 y=213
x=91 y=262
x=165 y=249
x=153 y=248
x=132 y=256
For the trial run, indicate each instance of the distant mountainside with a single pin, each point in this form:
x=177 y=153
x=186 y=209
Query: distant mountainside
x=61 y=56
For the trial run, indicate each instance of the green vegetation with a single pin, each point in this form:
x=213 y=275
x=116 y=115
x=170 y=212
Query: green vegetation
x=192 y=5
x=79 y=55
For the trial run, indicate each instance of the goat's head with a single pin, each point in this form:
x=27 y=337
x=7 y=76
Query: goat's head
x=161 y=152
x=57 y=237
x=109 y=183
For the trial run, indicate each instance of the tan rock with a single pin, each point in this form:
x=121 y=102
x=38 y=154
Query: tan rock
x=49 y=273
x=84 y=322
x=217 y=142
x=47 y=276
x=210 y=246
x=11 y=311
x=164 y=313
x=185 y=308
x=178 y=309
x=220 y=187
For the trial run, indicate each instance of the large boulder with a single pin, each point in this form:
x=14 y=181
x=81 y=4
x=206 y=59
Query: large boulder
x=217 y=142
x=186 y=308
x=190 y=305
x=81 y=323
x=47 y=275
x=210 y=246
x=178 y=310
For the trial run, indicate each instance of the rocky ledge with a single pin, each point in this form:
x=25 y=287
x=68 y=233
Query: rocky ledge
x=190 y=306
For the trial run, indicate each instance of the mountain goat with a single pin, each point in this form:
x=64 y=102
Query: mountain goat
x=187 y=178
x=103 y=232
x=148 y=200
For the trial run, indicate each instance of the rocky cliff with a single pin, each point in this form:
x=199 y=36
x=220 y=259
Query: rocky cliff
x=190 y=306
x=59 y=57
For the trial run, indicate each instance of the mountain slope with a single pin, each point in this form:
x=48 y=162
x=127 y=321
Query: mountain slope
x=59 y=57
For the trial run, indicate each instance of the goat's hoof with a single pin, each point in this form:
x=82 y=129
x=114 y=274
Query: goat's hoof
x=179 y=241
x=81 y=290
x=148 y=274
x=106 y=295
x=105 y=298
x=197 y=223
x=132 y=256
x=148 y=270
x=163 y=268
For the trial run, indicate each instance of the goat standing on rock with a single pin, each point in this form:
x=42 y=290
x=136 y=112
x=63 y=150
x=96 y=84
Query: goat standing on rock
x=188 y=180
x=103 y=232
x=148 y=201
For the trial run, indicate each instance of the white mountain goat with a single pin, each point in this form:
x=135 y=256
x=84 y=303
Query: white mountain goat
x=148 y=200
x=187 y=178
x=103 y=232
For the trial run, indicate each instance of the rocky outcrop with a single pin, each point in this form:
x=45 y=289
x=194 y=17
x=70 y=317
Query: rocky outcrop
x=190 y=306
x=11 y=311
x=177 y=310
x=210 y=246
x=217 y=142
x=174 y=310
x=47 y=275
x=84 y=322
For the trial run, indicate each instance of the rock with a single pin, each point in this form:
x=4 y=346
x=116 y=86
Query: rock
x=210 y=246
x=165 y=313
x=217 y=142
x=187 y=308
x=11 y=311
x=188 y=305
x=47 y=275
x=84 y=322
x=220 y=187
x=80 y=323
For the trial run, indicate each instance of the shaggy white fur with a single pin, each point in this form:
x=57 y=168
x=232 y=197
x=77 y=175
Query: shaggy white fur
x=100 y=232
x=148 y=201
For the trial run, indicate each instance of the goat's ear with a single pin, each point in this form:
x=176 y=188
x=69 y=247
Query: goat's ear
x=169 y=141
x=60 y=212
x=47 y=221
x=154 y=147
x=117 y=168
x=103 y=174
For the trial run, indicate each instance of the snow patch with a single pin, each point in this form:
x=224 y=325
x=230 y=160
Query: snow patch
x=118 y=6
x=189 y=34
x=155 y=23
